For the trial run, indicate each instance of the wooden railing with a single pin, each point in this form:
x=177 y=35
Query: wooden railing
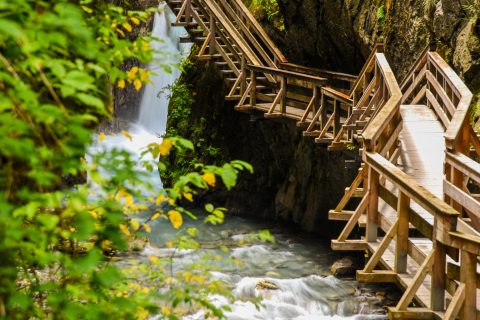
x=298 y=96
x=433 y=81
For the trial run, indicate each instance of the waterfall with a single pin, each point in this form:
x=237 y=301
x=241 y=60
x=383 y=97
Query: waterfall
x=154 y=104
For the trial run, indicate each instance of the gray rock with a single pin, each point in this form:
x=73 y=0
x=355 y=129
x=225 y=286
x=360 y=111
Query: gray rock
x=343 y=267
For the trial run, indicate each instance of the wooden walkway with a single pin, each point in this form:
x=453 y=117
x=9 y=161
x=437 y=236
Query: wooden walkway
x=415 y=202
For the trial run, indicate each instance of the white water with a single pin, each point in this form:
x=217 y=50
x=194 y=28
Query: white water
x=154 y=104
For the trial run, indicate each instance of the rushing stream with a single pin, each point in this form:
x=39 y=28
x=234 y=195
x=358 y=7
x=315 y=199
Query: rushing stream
x=298 y=267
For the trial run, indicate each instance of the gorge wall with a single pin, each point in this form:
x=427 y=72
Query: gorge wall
x=295 y=180
x=339 y=34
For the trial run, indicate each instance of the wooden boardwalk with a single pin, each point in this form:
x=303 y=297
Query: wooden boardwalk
x=417 y=208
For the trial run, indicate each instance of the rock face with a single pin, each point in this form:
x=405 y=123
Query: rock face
x=340 y=34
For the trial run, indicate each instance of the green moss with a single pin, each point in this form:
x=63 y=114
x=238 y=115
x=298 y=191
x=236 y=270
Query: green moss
x=267 y=10
x=182 y=121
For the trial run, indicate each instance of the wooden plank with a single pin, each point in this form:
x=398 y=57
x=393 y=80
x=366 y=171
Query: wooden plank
x=456 y=303
x=465 y=200
x=354 y=219
x=410 y=313
x=372 y=213
x=441 y=93
x=407 y=184
x=349 y=245
x=416 y=283
x=381 y=276
x=468 y=276
x=375 y=258
x=464 y=164
x=278 y=72
x=401 y=244
x=438 y=109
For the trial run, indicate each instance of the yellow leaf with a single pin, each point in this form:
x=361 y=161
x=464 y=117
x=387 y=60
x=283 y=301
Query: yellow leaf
x=155 y=216
x=147 y=228
x=94 y=214
x=124 y=229
x=169 y=244
x=126 y=134
x=144 y=75
x=101 y=137
x=137 y=84
x=175 y=218
x=120 y=32
x=132 y=74
x=165 y=311
x=188 y=196
x=135 y=224
x=127 y=26
x=135 y=20
x=106 y=244
x=121 y=84
x=87 y=9
x=82 y=160
x=209 y=178
x=142 y=314
x=159 y=200
x=153 y=259
x=165 y=147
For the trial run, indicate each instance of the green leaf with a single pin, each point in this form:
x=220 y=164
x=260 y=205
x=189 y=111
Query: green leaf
x=91 y=100
x=209 y=207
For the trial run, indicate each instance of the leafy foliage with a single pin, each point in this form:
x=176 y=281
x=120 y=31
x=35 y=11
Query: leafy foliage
x=58 y=62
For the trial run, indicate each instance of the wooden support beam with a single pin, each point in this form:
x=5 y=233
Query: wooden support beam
x=354 y=219
x=380 y=276
x=401 y=244
x=416 y=283
x=468 y=276
x=410 y=313
x=456 y=304
x=372 y=213
x=349 y=245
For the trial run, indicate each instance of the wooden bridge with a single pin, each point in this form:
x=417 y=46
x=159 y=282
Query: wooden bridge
x=415 y=203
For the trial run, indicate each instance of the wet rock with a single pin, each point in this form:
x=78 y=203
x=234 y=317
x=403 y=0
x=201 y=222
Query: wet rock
x=272 y=274
x=266 y=285
x=343 y=267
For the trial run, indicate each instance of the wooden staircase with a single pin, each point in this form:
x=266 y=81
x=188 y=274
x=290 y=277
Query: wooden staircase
x=417 y=191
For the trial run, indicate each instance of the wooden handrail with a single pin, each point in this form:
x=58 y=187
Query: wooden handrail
x=370 y=60
x=408 y=185
x=260 y=31
x=319 y=72
x=295 y=75
x=383 y=116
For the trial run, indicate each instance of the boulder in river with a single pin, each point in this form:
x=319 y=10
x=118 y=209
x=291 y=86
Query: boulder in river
x=343 y=267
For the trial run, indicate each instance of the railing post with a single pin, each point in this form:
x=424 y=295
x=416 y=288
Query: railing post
x=283 y=99
x=336 y=120
x=188 y=14
x=468 y=276
x=243 y=74
x=372 y=213
x=213 y=28
x=253 y=92
x=437 y=293
x=323 y=115
x=401 y=244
